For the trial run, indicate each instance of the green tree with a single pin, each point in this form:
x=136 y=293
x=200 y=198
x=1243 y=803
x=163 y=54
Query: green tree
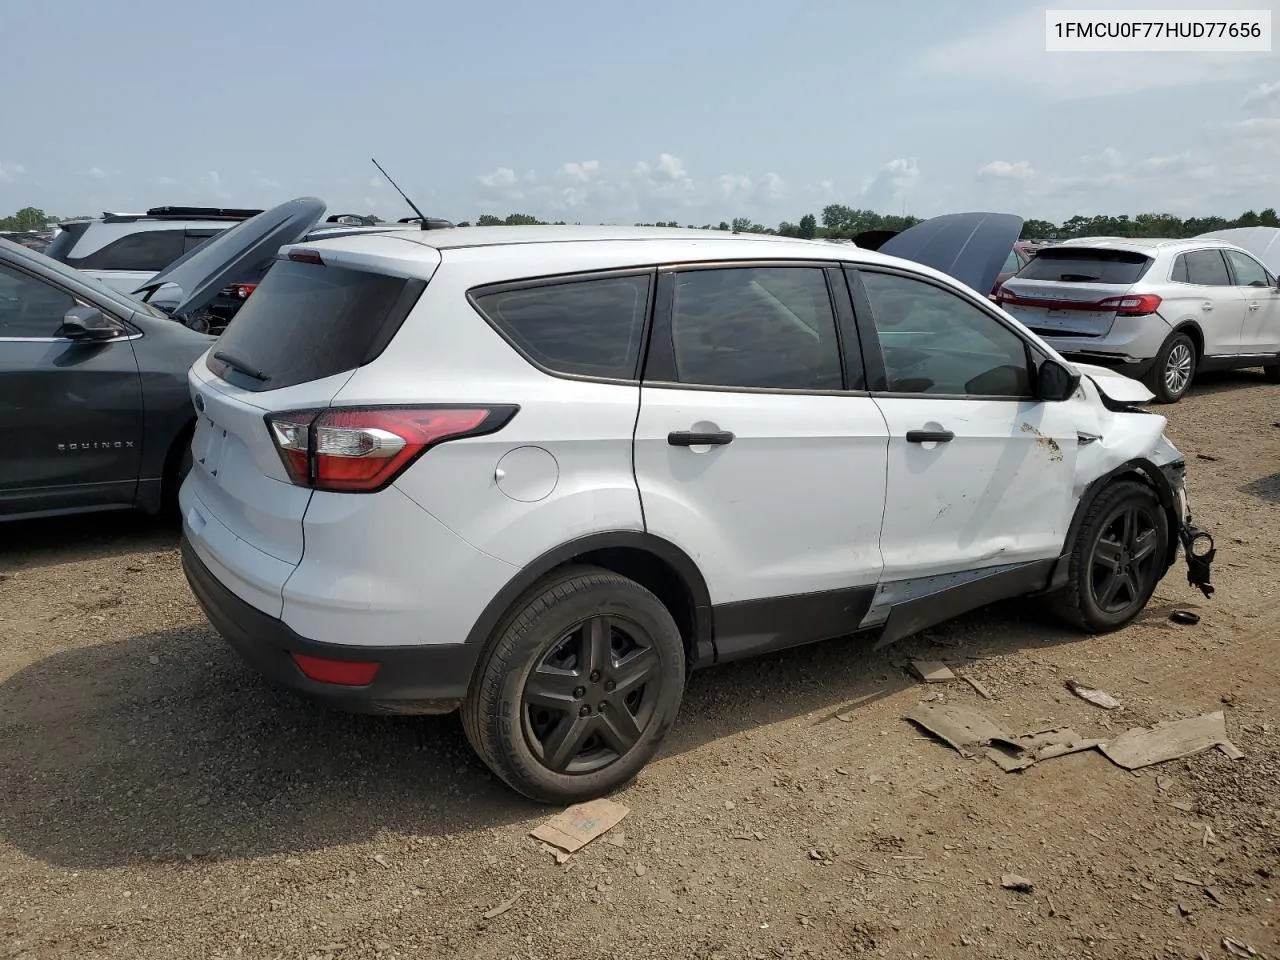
x=488 y=220
x=808 y=226
x=28 y=218
x=1267 y=218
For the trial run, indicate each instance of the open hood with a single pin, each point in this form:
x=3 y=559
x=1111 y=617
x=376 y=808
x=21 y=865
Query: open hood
x=199 y=274
x=971 y=247
x=1116 y=386
x=1262 y=242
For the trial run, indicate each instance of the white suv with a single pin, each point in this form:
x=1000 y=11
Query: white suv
x=1158 y=309
x=542 y=473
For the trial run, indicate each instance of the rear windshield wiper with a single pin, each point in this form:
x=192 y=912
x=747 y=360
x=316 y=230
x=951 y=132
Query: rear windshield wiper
x=240 y=366
x=1078 y=278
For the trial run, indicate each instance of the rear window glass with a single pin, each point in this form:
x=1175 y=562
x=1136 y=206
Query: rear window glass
x=306 y=322
x=1086 y=265
x=587 y=327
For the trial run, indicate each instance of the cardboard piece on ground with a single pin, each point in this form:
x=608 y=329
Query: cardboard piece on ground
x=979 y=687
x=967 y=731
x=1171 y=740
x=1098 y=698
x=576 y=826
x=932 y=671
x=962 y=727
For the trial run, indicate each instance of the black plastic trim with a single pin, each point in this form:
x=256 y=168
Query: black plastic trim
x=431 y=678
x=1164 y=490
x=912 y=616
x=702 y=650
x=751 y=627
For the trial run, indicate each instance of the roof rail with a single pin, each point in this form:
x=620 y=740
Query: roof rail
x=430 y=223
x=219 y=212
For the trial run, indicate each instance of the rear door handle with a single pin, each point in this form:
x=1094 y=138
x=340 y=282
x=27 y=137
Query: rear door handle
x=930 y=436
x=688 y=438
x=1207 y=305
x=1254 y=305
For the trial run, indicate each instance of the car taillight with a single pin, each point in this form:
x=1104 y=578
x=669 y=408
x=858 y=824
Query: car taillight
x=1131 y=306
x=241 y=291
x=363 y=449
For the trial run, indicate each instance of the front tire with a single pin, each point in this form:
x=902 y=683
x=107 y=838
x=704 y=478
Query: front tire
x=1174 y=368
x=578 y=687
x=1119 y=555
x=1271 y=372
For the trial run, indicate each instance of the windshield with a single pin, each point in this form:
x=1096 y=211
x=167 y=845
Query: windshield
x=123 y=300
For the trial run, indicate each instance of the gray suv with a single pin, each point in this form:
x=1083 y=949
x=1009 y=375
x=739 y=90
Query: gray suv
x=1159 y=310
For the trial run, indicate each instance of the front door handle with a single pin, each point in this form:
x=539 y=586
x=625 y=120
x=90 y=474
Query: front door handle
x=930 y=436
x=689 y=438
x=1255 y=305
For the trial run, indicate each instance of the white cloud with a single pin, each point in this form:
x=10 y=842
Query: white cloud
x=581 y=171
x=1004 y=170
x=733 y=186
x=97 y=173
x=1264 y=98
x=892 y=182
x=502 y=177
x=670 y=168
x=10 y=172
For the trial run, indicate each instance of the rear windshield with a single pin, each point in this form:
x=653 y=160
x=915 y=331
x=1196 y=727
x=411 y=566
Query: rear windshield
x=306 y=322
x=1086 y=265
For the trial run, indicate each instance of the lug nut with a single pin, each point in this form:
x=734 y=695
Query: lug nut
x=603 y=707
x=610 y=685
x=584 y=711
x=595 y=676
x=579 y=692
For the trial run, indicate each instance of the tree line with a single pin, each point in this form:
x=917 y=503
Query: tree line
x=839 y=222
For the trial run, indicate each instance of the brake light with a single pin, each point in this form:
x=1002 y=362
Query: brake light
x=1131 y=306
x=242 y=290
x=363 y=449
x=1127 y=305
x=306 y=256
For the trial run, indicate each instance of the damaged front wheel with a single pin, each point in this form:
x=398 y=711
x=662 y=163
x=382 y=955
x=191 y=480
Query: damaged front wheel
x=1119 y=556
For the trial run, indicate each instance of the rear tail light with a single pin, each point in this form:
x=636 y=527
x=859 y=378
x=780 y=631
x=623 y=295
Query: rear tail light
x=1131 y=306
x=363 y=449
x=241 y=291
x=1128 y=305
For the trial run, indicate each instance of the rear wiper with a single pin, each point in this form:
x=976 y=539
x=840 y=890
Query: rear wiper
x=1078 y=278
x=240 y=366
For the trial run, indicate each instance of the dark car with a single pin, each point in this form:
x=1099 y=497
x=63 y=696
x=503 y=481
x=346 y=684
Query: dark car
x=94 y=408
x=1018 y=258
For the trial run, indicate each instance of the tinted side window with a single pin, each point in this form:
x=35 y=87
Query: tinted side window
x=770 y=327
x=586 y=327
x=1180 y=274
x=1207 y=268
x=150 y=250
x=934 y=341
x=1248 y=271
x=30 y=307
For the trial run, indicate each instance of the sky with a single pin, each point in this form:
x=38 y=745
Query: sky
x=696 y=111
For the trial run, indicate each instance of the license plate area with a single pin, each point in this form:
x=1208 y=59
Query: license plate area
x=209 y=445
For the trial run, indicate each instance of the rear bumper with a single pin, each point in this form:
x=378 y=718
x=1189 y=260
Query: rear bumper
x=410 y=679
x=1130 y=367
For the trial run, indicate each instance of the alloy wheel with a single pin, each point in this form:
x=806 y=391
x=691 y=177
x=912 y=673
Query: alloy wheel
x=1124 y=562
x=1177 y=368
x=589 y=698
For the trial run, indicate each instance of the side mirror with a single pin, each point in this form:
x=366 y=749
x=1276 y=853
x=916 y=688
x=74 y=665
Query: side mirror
x=1056 y=382
x=87 y=323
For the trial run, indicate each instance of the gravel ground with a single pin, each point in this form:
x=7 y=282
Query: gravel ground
x=158 y=800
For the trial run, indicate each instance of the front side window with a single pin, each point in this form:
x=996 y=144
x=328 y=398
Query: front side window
x=1249 y=272
x=755 y=327
x=935 y=342
x=591 y=327
x=30 y=308
x=1206 y=268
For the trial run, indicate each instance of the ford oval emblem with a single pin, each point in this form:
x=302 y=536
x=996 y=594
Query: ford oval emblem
x=200 y=402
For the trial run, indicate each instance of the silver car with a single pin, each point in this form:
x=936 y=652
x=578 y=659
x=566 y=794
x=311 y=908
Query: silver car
x=1158 y=310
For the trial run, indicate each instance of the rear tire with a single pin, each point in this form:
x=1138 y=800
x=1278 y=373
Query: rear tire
x=1271 y=372
x=1174 y=369
x=1119 y=555
x=577 y=687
